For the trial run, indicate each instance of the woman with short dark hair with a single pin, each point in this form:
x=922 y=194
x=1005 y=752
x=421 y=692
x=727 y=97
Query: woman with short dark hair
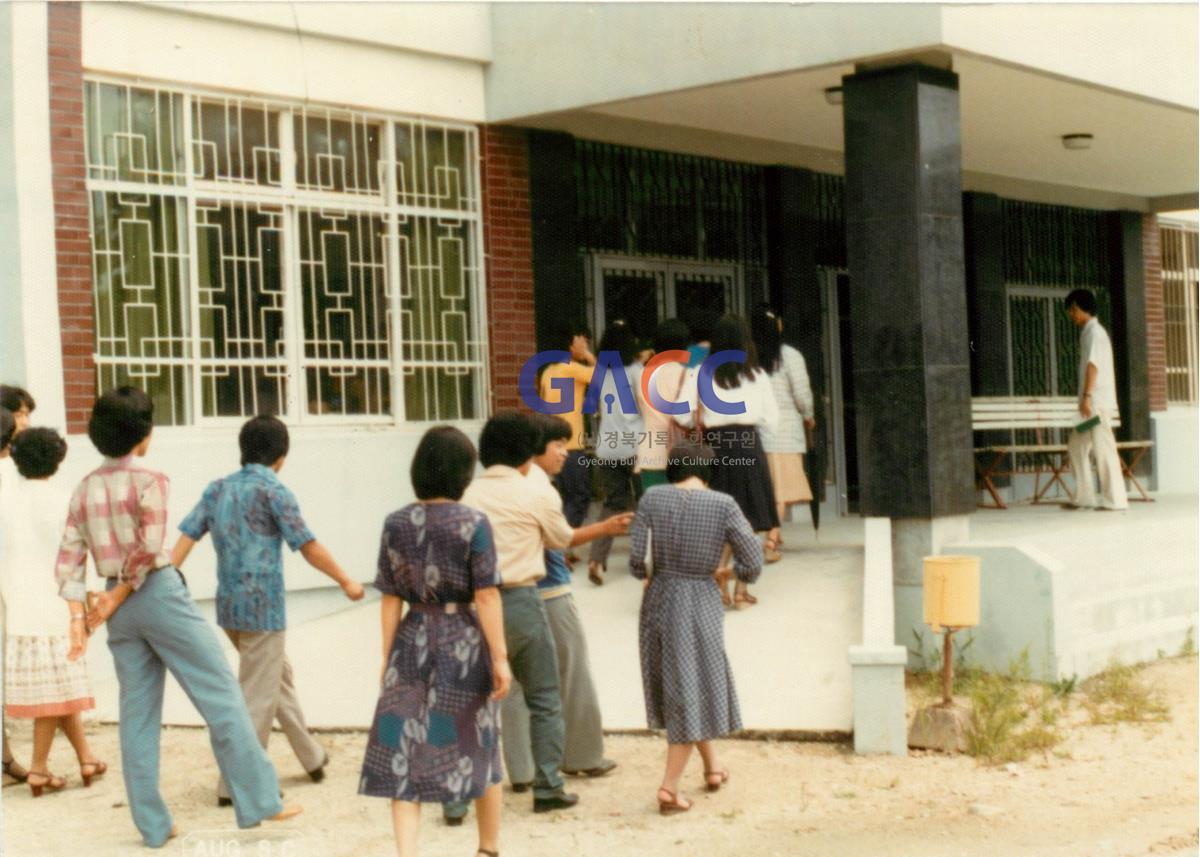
x=686 y=678
x=435 y=737
x=40 y=683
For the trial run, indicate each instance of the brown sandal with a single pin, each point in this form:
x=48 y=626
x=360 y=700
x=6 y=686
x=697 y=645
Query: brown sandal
x=14 y=770
x=708 y=779
x=672 y=806
x=771 y=550
x=47 y=782
x=98 y=769
x=743 y=600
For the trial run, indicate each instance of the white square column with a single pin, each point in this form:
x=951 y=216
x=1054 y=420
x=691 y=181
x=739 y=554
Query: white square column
x=877 y=666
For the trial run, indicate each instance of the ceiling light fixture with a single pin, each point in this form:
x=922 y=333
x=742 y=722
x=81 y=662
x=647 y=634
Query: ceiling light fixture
x=833 y=95
x=1077 y=141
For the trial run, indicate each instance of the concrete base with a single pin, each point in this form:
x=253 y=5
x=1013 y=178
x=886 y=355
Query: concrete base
x=940 y=727
x=1176 y=453
x=879 y=702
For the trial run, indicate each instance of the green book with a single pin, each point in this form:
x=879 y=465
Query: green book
x=1088 y=424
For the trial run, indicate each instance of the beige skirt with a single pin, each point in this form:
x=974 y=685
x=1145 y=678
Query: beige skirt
x=39 y=681
x=787 y=475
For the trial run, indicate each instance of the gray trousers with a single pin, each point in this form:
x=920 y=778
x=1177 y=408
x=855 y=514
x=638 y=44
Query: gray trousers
x=584 y=748
x=621 y=491
x=266 y=679
x=531 y=654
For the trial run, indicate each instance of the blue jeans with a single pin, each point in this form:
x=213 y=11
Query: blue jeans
x=158 y=628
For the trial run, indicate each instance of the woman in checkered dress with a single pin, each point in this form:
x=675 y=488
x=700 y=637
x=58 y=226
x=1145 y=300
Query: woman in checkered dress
x=685 y=674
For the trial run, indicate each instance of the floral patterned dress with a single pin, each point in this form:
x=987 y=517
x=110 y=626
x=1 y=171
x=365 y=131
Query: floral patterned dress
x=435 y=736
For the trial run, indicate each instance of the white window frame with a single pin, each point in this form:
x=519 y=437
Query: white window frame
x=292 y=199
x=1178 y=232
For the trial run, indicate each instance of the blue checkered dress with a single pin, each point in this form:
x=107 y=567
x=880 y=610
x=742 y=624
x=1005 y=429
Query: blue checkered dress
x=685 y=674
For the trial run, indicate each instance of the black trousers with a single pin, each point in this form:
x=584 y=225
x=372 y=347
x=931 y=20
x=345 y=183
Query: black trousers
x=621 y=493
x=575 y=486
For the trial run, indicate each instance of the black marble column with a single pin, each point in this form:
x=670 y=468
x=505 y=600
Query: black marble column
x=558 y=289
x=1127 y=291
x=987 y=297
x=987 y=304
x=795 y=288
x=904 y=236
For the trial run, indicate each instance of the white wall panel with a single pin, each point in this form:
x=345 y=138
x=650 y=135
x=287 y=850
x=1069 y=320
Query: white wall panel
x=156 y=43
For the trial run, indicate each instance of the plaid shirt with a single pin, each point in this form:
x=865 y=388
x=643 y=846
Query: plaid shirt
x=119 y=513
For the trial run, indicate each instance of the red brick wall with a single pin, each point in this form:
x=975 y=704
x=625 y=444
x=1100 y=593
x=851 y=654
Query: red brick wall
x=73 y=251
x=508 y=245
x=1156 y=345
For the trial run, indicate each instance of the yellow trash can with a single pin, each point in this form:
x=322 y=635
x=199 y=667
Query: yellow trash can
x=951 y=592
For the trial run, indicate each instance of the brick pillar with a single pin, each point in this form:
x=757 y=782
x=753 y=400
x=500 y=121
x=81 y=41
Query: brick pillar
x=73 y=250
x=508 y=245
x=1156 y=341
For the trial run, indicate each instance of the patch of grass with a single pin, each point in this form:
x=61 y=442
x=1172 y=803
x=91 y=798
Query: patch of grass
x=1188 y=648
x=1010 y=718
x=1120 y=694
x=1064 y=687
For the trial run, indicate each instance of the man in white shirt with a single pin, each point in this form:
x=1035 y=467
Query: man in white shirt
x=1097 y=398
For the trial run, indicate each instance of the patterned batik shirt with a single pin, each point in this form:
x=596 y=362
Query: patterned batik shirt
x=249 y=514
x=119 y=513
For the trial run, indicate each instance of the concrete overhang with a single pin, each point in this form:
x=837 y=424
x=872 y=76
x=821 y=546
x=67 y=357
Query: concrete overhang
x=715 y=80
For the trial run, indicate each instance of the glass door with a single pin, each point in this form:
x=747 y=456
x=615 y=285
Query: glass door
x=699 y=295
x=643 y=292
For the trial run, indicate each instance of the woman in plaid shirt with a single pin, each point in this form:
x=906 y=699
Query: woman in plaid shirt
x=119 y=514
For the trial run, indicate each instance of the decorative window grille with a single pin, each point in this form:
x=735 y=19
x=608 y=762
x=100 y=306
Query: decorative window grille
x=258 y=256
x=1181 y=304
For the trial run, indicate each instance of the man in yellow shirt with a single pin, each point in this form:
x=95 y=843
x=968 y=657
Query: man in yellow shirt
x=575 y=481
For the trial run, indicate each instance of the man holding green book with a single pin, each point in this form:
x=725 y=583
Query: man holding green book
x=1093 y=433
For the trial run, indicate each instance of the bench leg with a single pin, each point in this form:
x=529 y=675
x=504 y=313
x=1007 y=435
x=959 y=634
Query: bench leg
x=984 y=480
x=1127 y=470
x=1056 y=474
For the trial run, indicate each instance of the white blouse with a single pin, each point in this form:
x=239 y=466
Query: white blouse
x=761 y=408
x=32 y=515
x=793 y=392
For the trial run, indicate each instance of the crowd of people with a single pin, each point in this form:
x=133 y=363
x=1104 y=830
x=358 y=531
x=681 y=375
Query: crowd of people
x=481 y=635
x=485 y=667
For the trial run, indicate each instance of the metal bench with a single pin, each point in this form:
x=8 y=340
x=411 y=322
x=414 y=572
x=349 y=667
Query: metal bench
x=1048 y=415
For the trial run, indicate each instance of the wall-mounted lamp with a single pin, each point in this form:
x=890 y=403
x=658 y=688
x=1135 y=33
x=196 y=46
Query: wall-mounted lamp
x=833 y=95
x=1077 y=141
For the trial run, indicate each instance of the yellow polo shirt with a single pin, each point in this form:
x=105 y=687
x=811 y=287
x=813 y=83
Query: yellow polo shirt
x=582 y=375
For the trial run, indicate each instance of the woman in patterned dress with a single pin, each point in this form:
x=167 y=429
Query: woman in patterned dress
x=685 y=674
x=436 y=735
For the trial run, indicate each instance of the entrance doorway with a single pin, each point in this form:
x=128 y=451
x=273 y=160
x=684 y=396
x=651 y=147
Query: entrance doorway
x=646 y=291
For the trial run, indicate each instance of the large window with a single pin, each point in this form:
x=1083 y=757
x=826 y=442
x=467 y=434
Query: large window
x=255 y=256
x=1181 y=290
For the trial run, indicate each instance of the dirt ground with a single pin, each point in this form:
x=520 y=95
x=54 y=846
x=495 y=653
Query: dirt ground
x=1117 y=791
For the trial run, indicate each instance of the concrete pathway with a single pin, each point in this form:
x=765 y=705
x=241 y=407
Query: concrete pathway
x=788 y=653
